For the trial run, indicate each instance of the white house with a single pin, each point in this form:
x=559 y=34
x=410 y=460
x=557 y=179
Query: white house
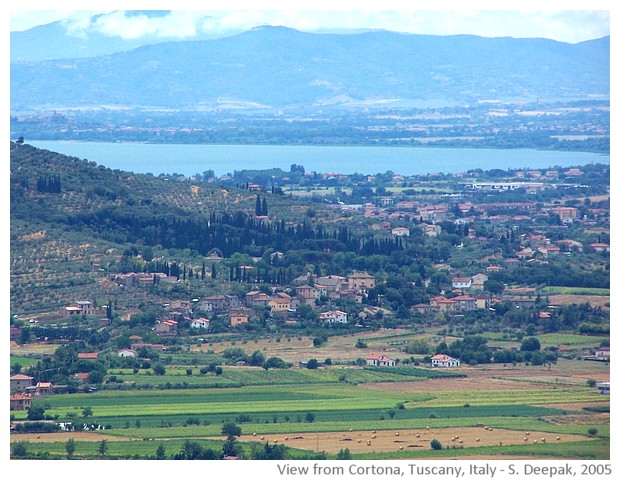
x=379 y=360
x=603 y=387
x=602 y=353
x=444 y=361
x=400 y=231
x=334 y=316
x=461 y=282
x=126 y=352
x=200 y=323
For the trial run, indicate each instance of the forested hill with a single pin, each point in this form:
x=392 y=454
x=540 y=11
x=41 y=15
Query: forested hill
x=56 y=193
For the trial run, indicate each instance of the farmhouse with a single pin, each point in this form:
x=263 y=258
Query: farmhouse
x=425 y=308
x=200 y=323
x=444 y=361
x=215 y=303
x=166 y=328
x=80 y=308
x=332 y=283
x=603 y=388
x=400 y=231
x=477 y=281
x=20 y=401
x=602 y=353
x=444 y=304
x=20 y=382
x=465 y=303
x=126 y=352
x=333 y=316
x=278 y=304
x=361 y=281
x=600 y=247
x=43 y=388
x=238 y=318
x=80 y=377
x=430 y=230
x=461 y=282
x=379 y=360
x=40 y=389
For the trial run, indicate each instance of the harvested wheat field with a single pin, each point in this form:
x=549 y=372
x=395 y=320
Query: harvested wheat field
x=407 y=440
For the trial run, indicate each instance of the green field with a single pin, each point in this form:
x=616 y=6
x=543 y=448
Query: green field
x=302 y=401
x=550 y=290
x=559 y=339
x=25 y=362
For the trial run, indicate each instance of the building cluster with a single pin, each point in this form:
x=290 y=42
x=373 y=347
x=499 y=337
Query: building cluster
x=311 y=290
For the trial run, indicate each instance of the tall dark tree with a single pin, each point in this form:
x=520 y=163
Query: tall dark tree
x=264 y=209
x=258 y=208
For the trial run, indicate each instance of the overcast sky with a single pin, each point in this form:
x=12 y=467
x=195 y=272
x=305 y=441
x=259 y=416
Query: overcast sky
x=563 y=21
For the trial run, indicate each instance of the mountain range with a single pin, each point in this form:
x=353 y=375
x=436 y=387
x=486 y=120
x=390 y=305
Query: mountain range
x=278 y=67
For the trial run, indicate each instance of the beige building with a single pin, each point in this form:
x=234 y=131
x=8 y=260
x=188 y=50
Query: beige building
x=361 y=281
x=238 y=318
x=20 y=382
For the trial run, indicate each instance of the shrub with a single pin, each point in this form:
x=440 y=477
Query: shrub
x=344 y=454
x=436 y=444
x=19 y=449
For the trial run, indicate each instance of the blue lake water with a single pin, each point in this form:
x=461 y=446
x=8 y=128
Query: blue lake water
x=222 y=159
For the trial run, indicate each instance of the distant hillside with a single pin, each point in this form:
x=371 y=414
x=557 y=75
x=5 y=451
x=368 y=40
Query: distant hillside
x=73 y=223
x=69 y=216
x=278 y=67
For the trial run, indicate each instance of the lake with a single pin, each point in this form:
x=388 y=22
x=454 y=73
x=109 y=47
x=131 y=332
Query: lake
x=222 y=159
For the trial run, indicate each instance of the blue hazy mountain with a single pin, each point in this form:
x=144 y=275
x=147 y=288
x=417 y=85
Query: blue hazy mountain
x=278 y=66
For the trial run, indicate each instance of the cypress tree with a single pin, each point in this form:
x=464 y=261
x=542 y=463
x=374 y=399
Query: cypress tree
x=264 y=209
x=257 y=209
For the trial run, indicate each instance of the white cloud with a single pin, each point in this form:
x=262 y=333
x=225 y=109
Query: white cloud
x=564 y=25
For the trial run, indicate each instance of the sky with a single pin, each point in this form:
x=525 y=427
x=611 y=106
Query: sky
x=563 y=21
